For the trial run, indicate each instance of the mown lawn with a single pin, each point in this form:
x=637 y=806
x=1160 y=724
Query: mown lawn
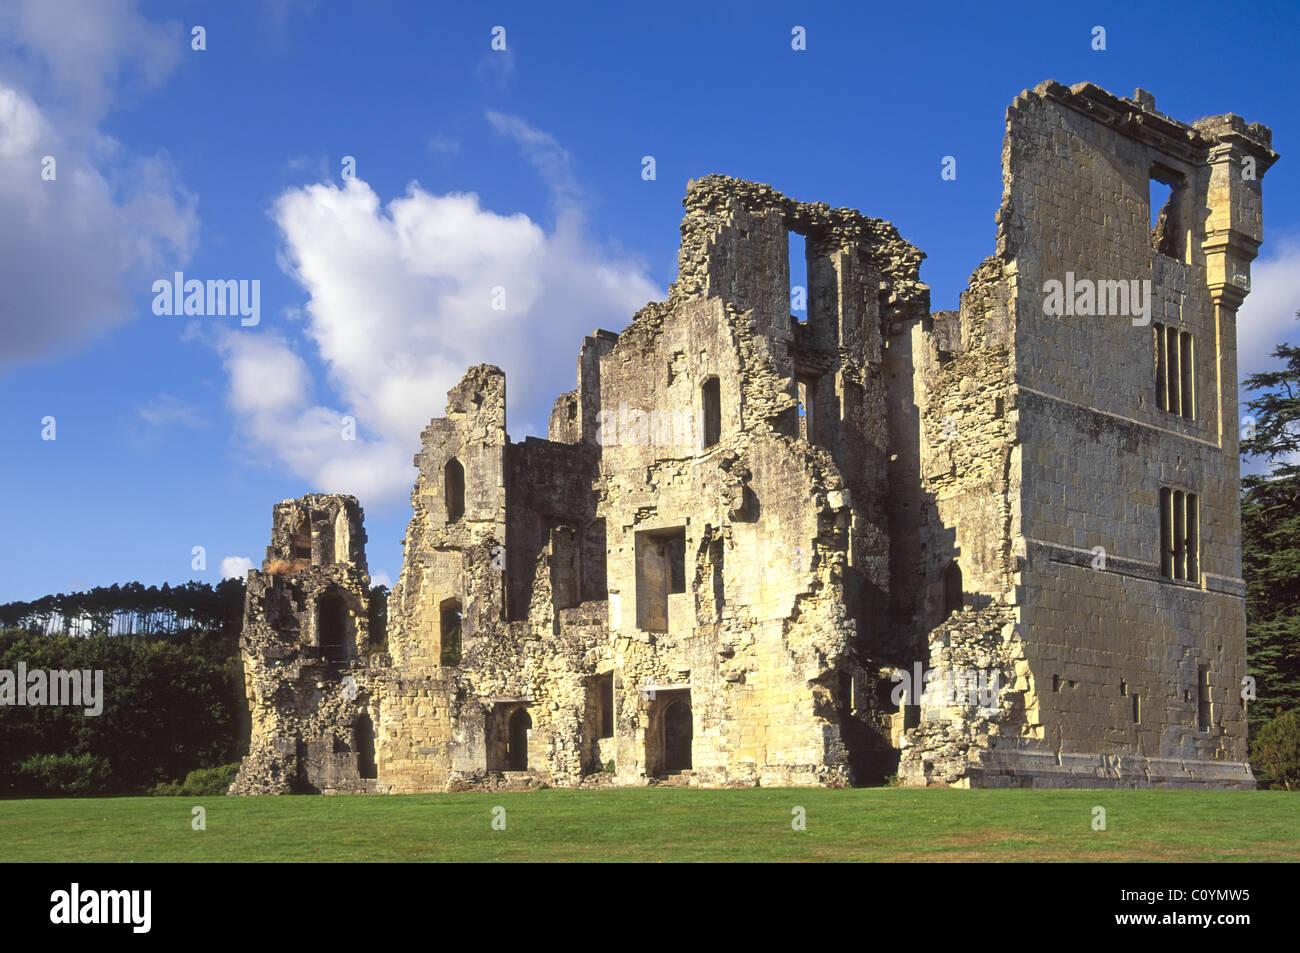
x=662 y=824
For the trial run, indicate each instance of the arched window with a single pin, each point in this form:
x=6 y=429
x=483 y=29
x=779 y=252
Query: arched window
x=364 y=735
x=454 y=485
x=711 y=393
x=449 y=618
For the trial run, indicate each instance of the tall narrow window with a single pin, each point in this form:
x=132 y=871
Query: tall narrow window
x=605 y=702
x=1179 y=535
x=1162 y=369
x=711 y=393
x=1172 y=353
x=1204 y=707
x=1175 y=371
x=1164 y=192
x=798 y=249
x=1187 y=395
x=363 y=736
x=449 y=619
x=333 y=625
x=807 y=387
x=454 y=485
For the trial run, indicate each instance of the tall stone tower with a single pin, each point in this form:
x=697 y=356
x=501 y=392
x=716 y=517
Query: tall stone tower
x=1078 y=445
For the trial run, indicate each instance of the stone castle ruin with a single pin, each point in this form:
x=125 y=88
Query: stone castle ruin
x=998 y=546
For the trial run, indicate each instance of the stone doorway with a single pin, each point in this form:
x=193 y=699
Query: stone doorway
x=517 y=740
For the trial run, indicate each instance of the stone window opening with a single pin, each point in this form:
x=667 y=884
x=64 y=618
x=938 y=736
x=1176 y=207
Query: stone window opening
x=454 y=487
x=711 y=397
x=363 y=733
x=1179 y=535
x=660 y=572
x=333 y=625
x=719 y=587
x=1164 y=192
x=449 y=626
x=806 y=387
x=847 y=693
x=301 y=544
x=798 y=254
x=605 y=706
x=1175 y=371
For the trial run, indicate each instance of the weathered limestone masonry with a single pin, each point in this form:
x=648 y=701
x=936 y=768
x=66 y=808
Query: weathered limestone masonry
x=305 y=646
x=1089 y=490
x=745 y=529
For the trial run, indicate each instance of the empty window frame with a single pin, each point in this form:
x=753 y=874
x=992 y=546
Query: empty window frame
x=1164 y=198
x=454 y=488
x=1179 y=535
x=660 y=572
x=1204 y=705
x=449 y=625
x=1175 y=371
x=711 y=396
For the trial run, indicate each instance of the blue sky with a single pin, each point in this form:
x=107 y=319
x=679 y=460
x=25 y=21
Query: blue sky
x=474 y=169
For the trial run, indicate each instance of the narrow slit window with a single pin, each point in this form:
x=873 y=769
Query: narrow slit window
x=711 y=397
x=1187 y=397
x=798 y=278
x=1175 y=375
x=1162 y=370
x=454 y=485
x=1204 y=706
x=1192 y=542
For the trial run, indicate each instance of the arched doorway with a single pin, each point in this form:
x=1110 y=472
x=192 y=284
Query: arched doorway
x=517 y=740
x=677 y=735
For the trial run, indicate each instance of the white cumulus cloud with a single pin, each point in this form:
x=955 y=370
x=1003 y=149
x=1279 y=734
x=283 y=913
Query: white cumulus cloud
x=400 y=301
x=84 y=224
x=235 y=567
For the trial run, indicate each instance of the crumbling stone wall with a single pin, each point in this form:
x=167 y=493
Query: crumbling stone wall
x=306 y=652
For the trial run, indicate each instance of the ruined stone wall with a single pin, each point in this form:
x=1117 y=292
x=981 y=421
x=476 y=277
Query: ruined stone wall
x=1115 y=651
x=306 y=652
x=744 y=527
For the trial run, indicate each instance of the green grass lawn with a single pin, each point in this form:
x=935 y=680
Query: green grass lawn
x=662 y=824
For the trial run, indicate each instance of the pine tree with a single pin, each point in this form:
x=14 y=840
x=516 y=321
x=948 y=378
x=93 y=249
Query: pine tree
x=1270 y=538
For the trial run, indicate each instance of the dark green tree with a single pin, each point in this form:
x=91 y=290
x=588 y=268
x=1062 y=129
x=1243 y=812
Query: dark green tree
x=1270 y=536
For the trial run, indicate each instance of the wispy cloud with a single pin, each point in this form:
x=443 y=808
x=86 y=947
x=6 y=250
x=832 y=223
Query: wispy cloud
x=544 y=153
x=166 y=410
